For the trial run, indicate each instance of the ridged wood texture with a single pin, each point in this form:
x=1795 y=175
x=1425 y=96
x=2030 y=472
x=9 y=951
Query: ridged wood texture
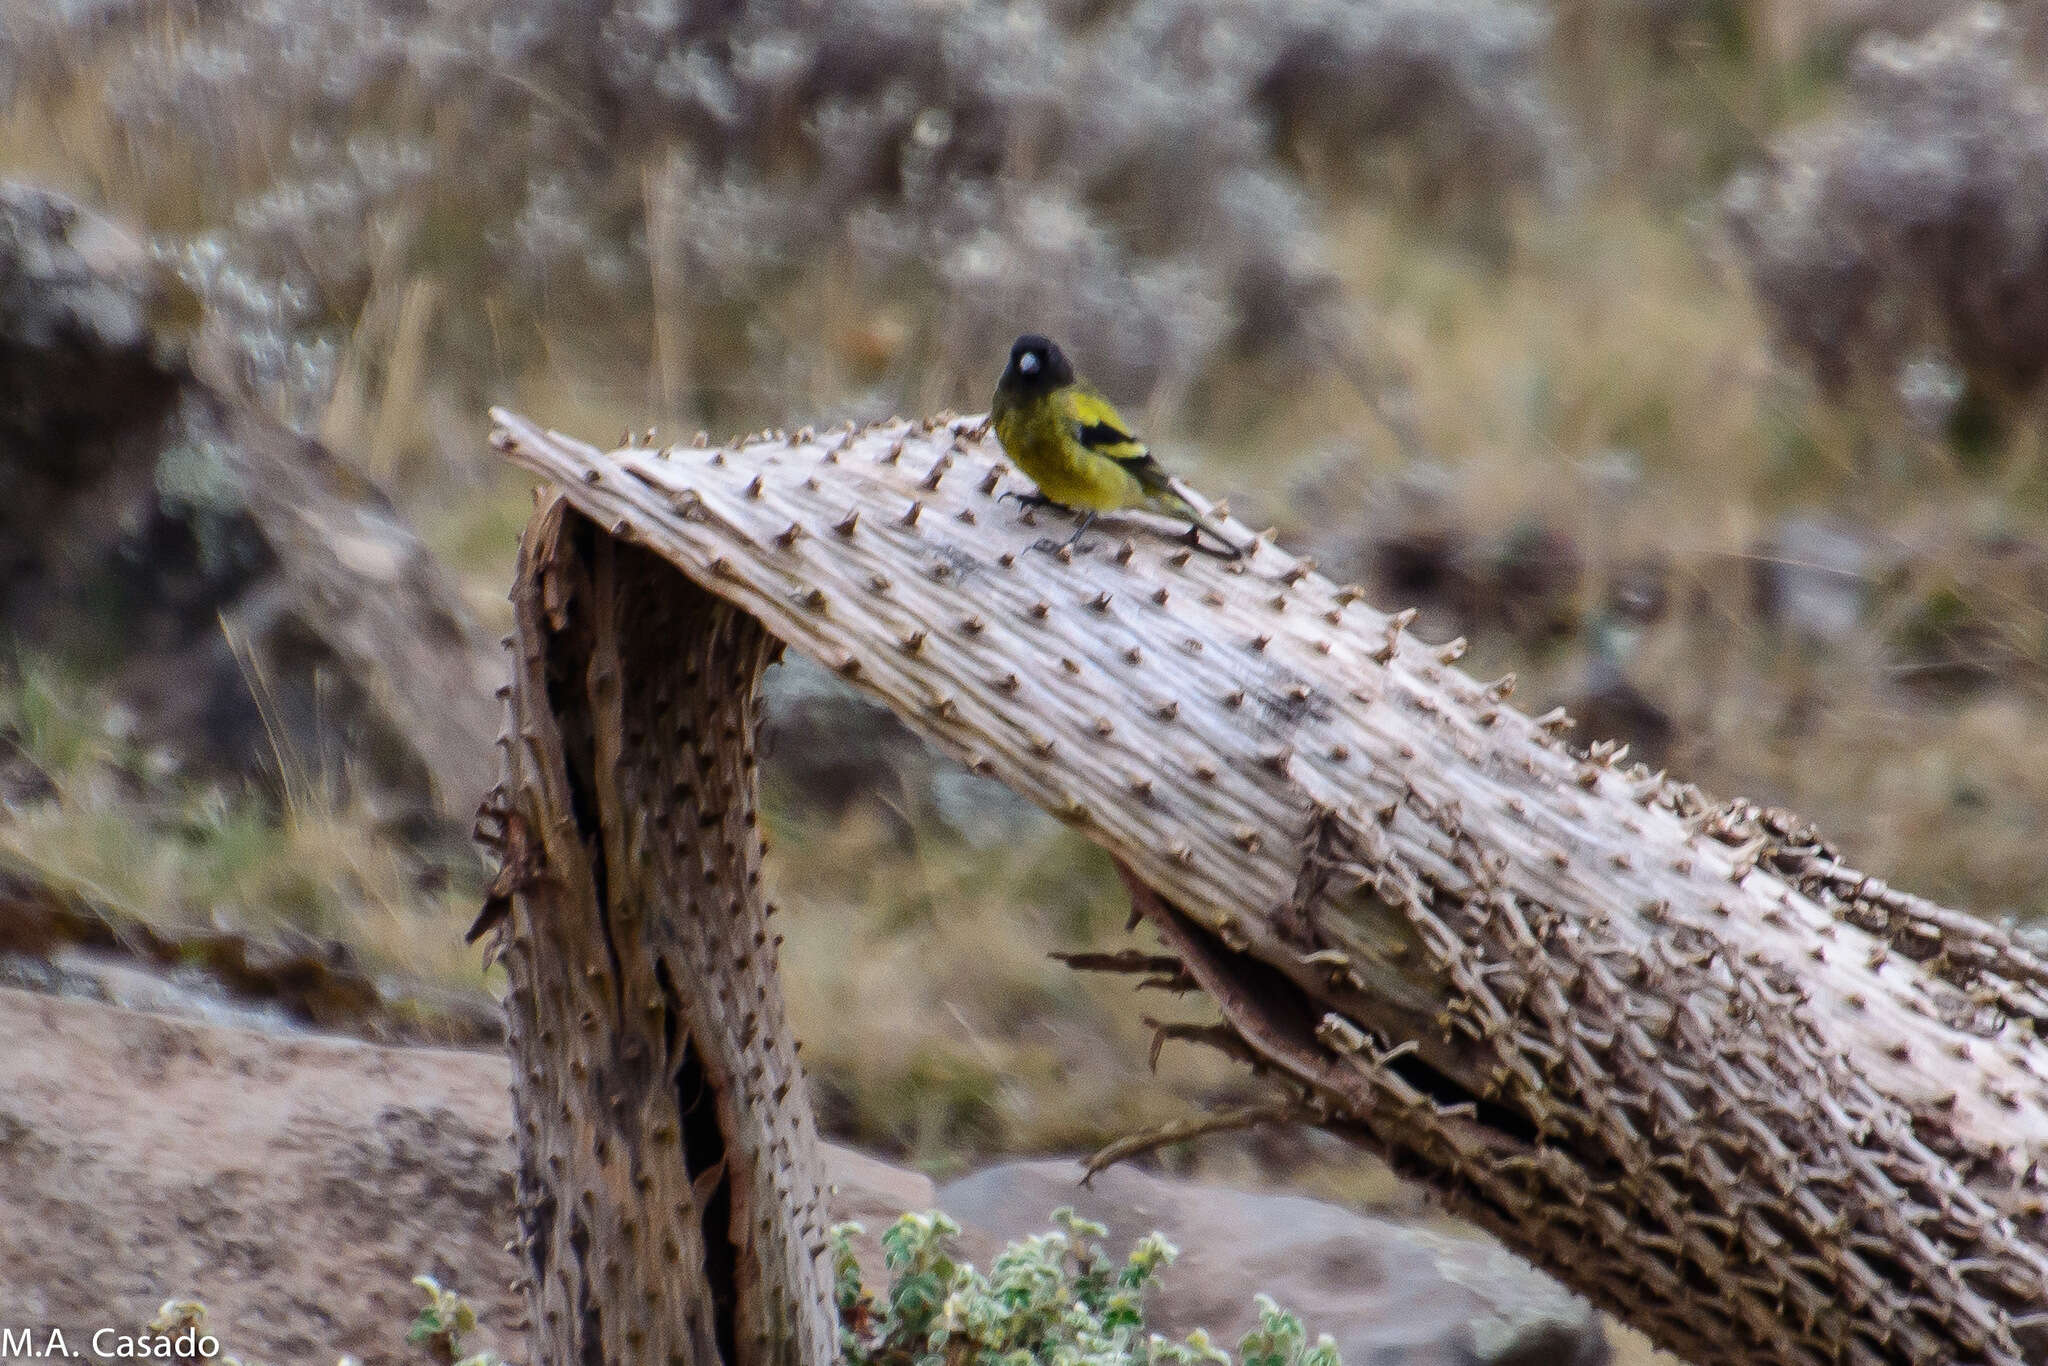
x=670 y=1207
x=1759 y=1105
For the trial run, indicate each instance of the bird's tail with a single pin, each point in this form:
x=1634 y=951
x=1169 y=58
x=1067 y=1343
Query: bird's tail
x=1175 y=501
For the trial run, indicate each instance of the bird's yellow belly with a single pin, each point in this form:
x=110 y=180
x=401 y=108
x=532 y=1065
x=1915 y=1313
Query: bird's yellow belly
x=1064 y=471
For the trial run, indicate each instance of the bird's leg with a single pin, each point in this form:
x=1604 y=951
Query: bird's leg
x=1194 y=539
x=1029 y=500
x=1087 y=520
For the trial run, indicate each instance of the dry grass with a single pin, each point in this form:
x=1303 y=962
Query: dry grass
x=1617 y=329
x=938 y=1026
x=124 y=830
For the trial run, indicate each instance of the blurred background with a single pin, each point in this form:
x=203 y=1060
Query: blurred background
x=1686 y=355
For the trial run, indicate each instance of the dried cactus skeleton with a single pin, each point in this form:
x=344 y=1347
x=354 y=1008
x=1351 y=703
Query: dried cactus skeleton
x=1762 y=1107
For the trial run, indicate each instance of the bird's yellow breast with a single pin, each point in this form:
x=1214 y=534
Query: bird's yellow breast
x=1038 y=437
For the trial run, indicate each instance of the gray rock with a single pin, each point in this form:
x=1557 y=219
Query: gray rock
x=148 y=514
x=294 y=1184
x=1390 y=1294
x=1813 y=578
x=827 y=745
x=69 y=279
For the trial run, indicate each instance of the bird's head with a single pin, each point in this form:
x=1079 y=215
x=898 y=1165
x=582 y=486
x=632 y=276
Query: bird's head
x=1036 y=366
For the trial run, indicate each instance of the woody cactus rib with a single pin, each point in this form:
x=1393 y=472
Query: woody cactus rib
x=1762 y=1107
x=669 y=1194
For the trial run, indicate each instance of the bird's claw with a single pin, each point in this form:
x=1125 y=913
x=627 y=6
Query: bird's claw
x=1066 y=549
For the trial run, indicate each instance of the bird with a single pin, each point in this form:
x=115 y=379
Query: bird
x=1077 y=448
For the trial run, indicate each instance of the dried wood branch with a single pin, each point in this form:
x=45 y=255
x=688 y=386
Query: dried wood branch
x=1182 y=1130
x=1760 y=1106
x=669 y=1198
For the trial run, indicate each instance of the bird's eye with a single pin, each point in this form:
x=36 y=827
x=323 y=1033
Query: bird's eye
x=1028 y=362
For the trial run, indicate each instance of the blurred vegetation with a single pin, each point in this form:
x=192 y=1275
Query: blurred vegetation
x=1054 y=1296
x=1685 y=354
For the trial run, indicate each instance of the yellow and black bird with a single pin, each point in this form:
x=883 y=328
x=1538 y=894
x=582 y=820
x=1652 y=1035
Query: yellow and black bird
x=1075 y=446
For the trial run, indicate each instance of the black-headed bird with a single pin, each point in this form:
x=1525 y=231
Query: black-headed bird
x=1075 y=446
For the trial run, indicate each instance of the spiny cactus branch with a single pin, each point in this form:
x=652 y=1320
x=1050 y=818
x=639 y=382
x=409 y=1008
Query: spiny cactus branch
x=1182 y=1130
x=669 y=1197
x=1761 y=1106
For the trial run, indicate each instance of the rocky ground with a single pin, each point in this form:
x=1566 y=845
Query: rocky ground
x=296 y=1182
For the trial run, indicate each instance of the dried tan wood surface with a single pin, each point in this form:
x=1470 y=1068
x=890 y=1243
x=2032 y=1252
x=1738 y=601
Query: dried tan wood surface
x=1764 y=1108
x=669 y=1198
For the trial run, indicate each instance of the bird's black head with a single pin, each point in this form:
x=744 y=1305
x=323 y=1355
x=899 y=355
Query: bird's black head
x=1036 y=366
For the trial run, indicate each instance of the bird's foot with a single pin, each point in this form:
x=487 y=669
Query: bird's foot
x=1027 y=500
x=1087 y=520
x=1193 y=539
x=1063 y=551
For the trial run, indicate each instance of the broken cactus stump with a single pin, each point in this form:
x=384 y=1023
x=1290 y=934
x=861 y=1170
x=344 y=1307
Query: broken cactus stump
x=1759 y=1105
x=669 y=1197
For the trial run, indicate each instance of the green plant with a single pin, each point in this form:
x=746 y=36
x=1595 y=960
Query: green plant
x=179 y=1332
x=1051 y=1298
x=442 y=1324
